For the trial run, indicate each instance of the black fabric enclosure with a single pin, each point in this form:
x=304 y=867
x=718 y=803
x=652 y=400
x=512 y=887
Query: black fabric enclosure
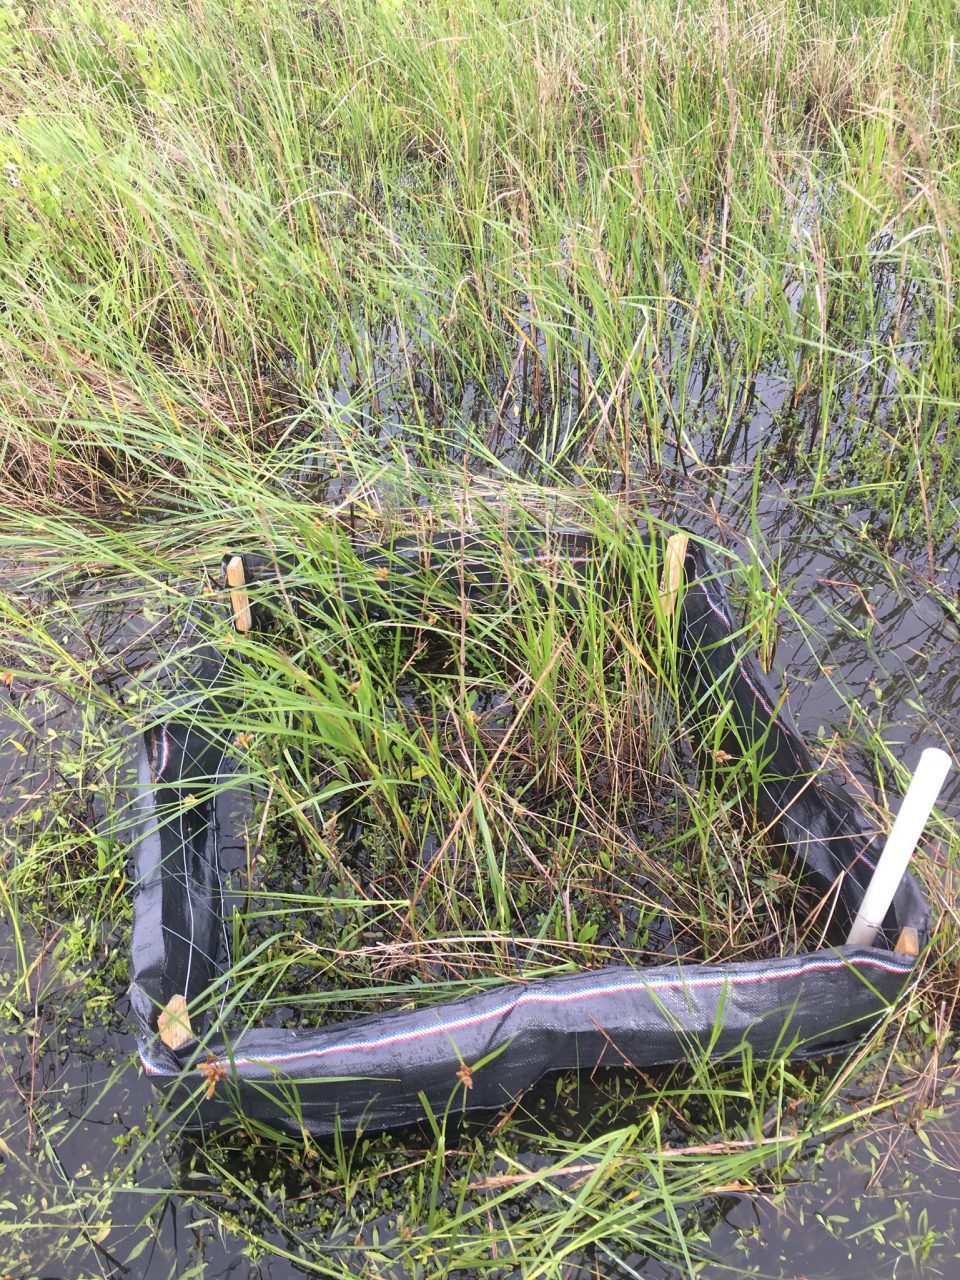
x=382 y=1071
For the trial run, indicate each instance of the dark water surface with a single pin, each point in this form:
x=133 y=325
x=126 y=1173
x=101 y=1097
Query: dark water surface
x=74 y=1108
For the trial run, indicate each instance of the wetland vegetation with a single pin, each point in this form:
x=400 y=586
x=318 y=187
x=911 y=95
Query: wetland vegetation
x=279 y=274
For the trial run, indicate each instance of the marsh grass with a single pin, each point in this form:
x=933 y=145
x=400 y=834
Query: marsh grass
x=578 y=240
x=277 y=276
x=519 y=770
x=365 y=745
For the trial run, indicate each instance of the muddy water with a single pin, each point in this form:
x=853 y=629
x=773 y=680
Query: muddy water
x=74 y=1110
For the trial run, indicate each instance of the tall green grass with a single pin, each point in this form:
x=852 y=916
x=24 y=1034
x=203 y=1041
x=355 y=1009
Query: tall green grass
x=595 y=238
x=274 y=275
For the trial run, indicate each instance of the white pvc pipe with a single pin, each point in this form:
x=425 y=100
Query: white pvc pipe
x=914 y=811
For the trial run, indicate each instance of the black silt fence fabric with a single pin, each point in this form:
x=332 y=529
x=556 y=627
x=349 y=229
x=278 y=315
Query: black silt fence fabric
x=483 y=1050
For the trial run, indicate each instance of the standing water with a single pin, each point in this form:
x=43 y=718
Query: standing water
x=106 y=1186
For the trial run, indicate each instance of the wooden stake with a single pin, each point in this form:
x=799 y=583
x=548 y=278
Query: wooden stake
x=239 y=600
x=671 y=582
x=908 y=944
x=174 y=1023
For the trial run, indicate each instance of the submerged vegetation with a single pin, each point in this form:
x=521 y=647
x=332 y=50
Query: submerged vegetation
x=275 y=275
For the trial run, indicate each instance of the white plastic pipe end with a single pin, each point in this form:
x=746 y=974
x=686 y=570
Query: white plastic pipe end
x=903 y=839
